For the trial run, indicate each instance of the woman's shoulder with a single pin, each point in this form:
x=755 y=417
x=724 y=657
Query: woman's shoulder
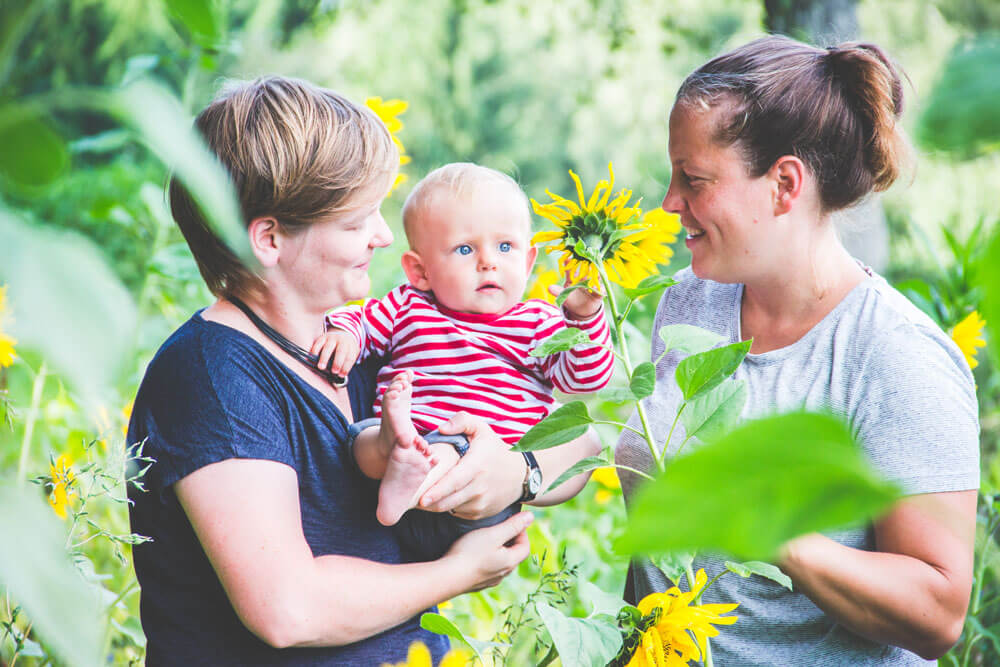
x=200 y=345
x=893 y=323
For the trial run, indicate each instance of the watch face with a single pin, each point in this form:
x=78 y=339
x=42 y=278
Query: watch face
x=535 y=480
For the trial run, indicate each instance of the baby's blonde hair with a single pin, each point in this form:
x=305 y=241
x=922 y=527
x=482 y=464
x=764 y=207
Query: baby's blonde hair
x=457 y=179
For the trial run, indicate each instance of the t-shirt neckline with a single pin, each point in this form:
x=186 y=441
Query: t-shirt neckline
x=772 y=356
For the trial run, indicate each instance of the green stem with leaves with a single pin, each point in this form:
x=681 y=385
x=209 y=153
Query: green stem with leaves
x=627 y=362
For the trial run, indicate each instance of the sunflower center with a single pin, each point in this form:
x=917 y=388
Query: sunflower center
x=597 y=231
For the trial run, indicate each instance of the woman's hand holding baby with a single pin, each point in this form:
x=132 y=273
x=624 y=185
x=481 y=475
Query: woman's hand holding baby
x=337 y=351
x=490 y=554
x=484 y=481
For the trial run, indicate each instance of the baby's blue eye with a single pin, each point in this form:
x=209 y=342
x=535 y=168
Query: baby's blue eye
x=464 y=249
x=505 y=247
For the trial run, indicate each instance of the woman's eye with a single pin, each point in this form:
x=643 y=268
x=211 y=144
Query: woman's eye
x=464 y=249
x=505 y=246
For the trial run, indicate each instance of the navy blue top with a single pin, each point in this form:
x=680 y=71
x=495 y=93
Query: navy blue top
x=212 y=393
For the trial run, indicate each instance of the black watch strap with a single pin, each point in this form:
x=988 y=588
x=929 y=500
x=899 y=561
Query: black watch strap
x=532 y=479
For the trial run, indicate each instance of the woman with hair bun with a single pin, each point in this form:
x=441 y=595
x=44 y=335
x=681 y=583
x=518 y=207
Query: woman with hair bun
x=766 y=142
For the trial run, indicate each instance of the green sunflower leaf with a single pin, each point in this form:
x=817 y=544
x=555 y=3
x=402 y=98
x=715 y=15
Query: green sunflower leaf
x=580 y=641
x=583 y=465
x=643 y=380
x=761 y=485
x=674 y=564
x=567 y=423
x=711 y=414
x=560 y=341
x=440 y=625
x=688 y=339
x=31 y=153
x=648 y=285
x=616 y=395
x=760 y=568
x=703 y=371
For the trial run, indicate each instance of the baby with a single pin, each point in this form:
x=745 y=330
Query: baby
x=458 y=337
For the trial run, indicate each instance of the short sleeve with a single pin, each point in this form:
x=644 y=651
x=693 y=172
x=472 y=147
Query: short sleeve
x=196 y=410
x=916 y=414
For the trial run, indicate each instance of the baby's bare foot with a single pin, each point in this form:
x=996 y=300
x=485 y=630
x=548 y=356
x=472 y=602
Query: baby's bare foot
x=410 y=458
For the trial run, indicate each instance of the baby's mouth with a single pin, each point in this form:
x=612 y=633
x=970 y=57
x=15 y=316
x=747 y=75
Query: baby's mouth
x=487 y=286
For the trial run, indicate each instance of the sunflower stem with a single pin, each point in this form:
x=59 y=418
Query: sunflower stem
x=627 y=362
x=689 y=570
x=29 y=424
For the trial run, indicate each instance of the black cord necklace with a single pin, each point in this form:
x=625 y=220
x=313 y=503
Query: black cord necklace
x=301 y=354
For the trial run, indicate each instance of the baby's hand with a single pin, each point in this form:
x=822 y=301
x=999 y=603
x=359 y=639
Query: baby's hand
x=338 y=345
x=581 y=304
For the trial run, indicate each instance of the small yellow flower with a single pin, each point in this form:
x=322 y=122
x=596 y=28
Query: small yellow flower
x=968 y=335
x=607 y=477
x=7 y=342
x=628 y=244
x=61 y=474
x=420 y=656
x=608 y=480
x=676 y=621
x=388 y=112
x=540 y=288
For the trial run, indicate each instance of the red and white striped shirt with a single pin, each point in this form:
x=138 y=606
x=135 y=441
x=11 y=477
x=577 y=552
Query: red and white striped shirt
x=479 y=363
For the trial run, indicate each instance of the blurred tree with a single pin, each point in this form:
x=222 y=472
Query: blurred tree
x=823 y=22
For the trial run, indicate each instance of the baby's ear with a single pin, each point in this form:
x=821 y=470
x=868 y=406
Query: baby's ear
x=415 y=272
x=532 y=255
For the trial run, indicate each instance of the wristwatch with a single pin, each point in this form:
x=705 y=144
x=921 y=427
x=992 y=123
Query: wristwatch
x=532 y=479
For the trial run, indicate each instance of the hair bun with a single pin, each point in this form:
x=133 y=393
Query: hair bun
x=859 y=63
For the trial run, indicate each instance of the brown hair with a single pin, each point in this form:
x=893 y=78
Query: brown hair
x=295 y=152
x=836 y=109
x=457 y=179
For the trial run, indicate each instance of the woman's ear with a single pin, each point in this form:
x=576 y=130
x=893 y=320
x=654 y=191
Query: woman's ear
x=788 y=175
x=264 y=241
x=415 y=272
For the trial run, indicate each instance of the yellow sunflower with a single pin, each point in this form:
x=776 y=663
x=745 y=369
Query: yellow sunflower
x=627 y=244
x=669 y=640
x=7 y=343
x=61 y=474
x=968 y=335
x=420 y=656
x=388 y=112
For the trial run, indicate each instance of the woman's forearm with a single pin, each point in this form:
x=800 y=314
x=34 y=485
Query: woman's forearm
x=344 y=600
x=889 y=598
x=913 y=590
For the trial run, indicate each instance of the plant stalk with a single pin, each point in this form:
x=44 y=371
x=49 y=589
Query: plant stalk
x=29 y=423
x=627 y=362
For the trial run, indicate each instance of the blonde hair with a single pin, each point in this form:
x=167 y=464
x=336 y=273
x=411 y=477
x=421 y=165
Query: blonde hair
x=456 y=179
x=295 y=152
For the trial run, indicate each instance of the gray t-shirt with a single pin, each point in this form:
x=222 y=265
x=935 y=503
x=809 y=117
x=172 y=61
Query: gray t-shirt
x=909 y=398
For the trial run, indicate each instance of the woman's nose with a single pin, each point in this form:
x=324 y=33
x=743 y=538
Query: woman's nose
x=672 y=202
x=381 y=234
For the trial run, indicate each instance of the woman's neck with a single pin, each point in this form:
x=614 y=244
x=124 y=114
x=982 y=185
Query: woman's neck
x=779 y=308
x=286 y=314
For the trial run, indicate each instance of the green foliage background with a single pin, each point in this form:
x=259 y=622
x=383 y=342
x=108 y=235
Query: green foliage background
x=531 y=88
